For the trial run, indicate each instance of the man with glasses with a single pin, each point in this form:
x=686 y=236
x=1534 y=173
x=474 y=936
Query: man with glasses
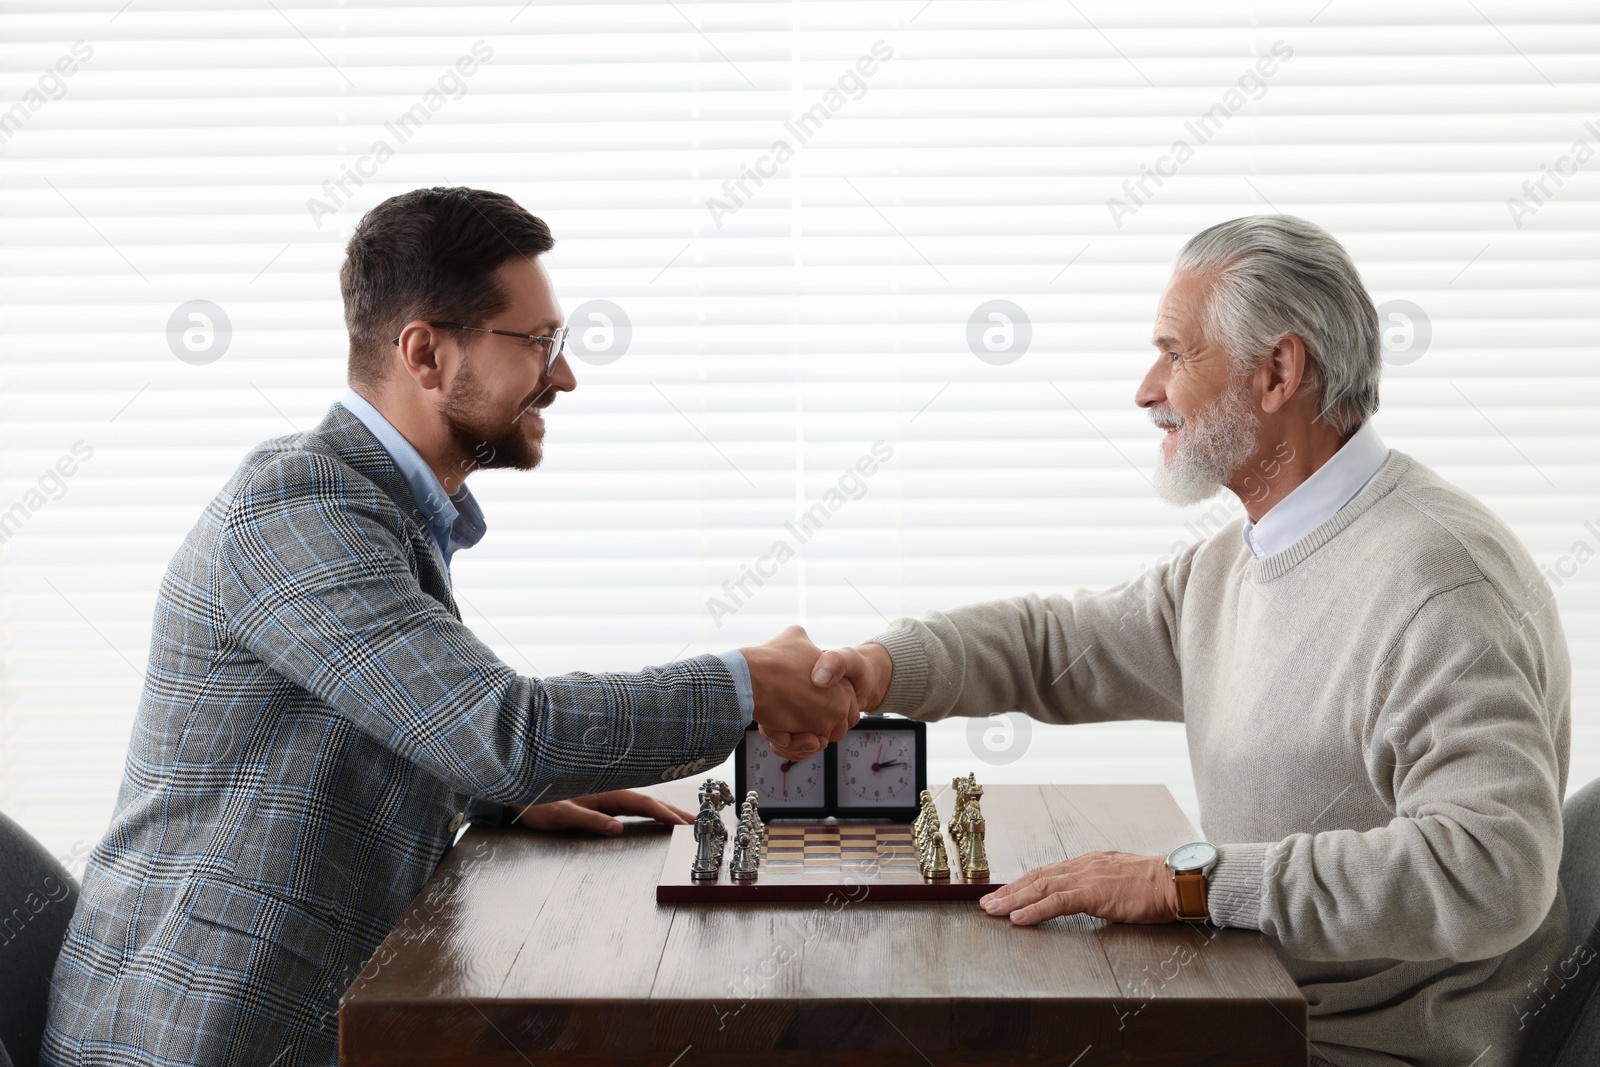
x=316 y=720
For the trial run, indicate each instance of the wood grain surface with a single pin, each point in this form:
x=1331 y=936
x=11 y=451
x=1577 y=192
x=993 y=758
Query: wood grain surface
x=549 y=949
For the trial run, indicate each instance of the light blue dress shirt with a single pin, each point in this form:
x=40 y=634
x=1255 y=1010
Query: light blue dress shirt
x=1321 y=496
x=456 y=521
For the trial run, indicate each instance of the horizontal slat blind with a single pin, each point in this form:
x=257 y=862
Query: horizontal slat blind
x=776 y=336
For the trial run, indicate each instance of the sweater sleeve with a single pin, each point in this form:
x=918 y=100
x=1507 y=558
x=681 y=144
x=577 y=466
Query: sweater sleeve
x=1461 y=744
x=1086 y=658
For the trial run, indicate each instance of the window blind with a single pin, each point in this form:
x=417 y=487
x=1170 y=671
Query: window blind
x=865 y=289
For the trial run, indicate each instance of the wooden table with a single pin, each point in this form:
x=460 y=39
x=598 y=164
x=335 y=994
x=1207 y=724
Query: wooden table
x=550 y=950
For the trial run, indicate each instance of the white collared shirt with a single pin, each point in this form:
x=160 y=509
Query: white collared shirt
x=1319 y=498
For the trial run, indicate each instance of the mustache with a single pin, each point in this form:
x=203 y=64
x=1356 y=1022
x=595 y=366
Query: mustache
x=1165 y=417
x=533 y=403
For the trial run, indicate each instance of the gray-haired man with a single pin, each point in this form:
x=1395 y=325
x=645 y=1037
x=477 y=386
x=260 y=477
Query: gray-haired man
x=1370 y=670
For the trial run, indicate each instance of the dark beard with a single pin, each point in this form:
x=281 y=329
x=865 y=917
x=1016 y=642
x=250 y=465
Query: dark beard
x=486 y=442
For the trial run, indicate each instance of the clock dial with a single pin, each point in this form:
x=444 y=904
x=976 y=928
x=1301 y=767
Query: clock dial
x=782 y=783
x=878 y=769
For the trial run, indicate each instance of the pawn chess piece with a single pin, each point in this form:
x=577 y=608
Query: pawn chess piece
x=746 y=854
x=754 y=807
x=750 y=823
x=939 y=863
x=929 y=841
x=710 y=833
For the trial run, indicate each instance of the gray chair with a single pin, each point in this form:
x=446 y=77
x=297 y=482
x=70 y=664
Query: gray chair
x=37 y=897
x=1568 y=1033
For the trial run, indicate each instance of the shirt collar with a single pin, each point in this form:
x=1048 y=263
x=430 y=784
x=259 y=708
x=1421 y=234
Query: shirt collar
x=455 y=520
x=1318 y=498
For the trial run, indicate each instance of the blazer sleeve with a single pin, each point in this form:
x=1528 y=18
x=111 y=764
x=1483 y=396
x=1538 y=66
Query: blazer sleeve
x=313 y=578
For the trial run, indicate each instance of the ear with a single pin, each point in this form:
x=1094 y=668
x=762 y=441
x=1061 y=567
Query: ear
x=1284 y=370
x=419 y=346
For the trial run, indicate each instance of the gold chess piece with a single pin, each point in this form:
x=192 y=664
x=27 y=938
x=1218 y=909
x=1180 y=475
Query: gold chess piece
x=968 y=829
x=931 y=858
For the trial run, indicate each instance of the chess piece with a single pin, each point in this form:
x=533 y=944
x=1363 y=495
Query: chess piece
x=968 y=829
x=750 y=824
x=973 y=857
x=710 y=834
x=746 y=854
x=751 y=803
x=925 y=833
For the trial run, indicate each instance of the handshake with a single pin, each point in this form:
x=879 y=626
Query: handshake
x=805 y=697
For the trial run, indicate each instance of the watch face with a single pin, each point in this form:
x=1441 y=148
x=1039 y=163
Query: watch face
x=1195 y=856
x=782 y=784
x=877 y=768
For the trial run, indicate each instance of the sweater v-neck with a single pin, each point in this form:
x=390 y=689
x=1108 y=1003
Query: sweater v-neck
x=1383 y=483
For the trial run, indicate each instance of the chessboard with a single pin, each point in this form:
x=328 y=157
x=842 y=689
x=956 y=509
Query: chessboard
x=830 y=861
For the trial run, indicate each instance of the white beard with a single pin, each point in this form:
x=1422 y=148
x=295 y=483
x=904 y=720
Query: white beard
x=1208 y=449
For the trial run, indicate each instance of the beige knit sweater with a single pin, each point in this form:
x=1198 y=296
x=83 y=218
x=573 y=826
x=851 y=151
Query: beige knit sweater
x=1378 y=721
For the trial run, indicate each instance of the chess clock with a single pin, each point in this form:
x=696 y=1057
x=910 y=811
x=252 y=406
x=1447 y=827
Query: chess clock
x=785 y=789
x=879 y=769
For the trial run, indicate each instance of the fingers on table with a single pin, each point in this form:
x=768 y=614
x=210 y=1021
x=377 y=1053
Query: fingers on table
x=634 y=803
x=568 y=815
x=1050 y=905
x=596 y=822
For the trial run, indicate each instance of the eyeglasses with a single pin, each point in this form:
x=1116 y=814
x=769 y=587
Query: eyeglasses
x=554 y=345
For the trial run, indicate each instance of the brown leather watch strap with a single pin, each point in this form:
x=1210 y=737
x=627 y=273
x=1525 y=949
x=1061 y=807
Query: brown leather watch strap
x=1192 y=906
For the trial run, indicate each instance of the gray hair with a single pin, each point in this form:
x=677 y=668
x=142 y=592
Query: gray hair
x=1277 y=275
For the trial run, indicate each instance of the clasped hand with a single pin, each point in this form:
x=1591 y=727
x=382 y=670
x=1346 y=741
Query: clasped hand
x=802 y=692
x=797 y=716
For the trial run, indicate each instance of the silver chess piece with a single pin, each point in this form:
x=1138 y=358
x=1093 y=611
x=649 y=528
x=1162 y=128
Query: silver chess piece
x=746 y=854
x=752 y=811
x=710 y=834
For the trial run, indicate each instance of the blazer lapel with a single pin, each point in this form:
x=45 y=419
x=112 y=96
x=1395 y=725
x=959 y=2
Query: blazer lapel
x=354 y=444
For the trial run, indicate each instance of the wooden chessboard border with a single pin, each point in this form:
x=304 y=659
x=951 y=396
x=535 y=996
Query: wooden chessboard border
x=857 y=878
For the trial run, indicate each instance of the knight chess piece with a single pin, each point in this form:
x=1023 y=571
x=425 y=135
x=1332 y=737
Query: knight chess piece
x=968 y=829
x=929 y=840
x=710 y=833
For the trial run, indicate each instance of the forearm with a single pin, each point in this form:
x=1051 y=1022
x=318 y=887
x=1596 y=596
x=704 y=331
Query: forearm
x=338 y=612
x=1413 y=890
x=578 y=734
x=1088 y=658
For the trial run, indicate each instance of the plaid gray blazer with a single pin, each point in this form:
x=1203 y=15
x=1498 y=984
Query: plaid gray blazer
x=314 y=716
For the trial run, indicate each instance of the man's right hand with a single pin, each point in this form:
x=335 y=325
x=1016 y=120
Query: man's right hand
x=867 y=669
x=797 y=717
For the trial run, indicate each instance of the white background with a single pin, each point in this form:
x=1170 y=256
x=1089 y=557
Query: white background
x=767 y=353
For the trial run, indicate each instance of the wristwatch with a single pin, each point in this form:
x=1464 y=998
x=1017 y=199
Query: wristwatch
x=1190 y=864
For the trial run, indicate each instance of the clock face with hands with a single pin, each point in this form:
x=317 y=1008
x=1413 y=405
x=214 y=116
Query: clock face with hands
x=880 y=768
x=877 y=772
x=784 y=788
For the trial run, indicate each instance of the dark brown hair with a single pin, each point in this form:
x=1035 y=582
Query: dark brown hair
x=429 y=254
